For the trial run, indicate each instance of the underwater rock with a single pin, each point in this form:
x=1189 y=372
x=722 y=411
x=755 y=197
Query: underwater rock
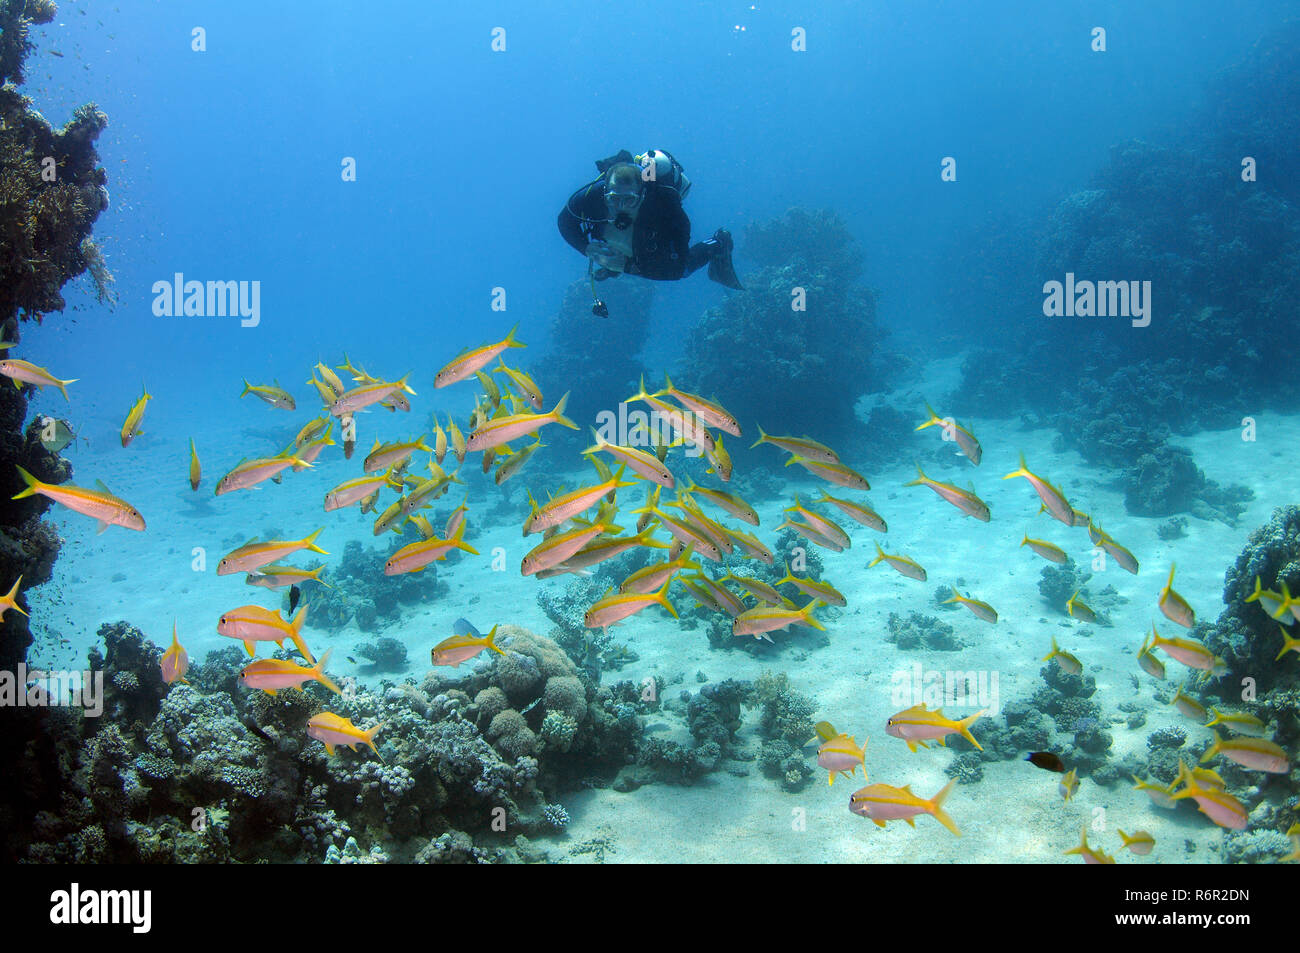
x=353 y=854
x=1167 y=481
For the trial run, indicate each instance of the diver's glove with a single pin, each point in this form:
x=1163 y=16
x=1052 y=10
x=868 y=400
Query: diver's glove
x=603 y=256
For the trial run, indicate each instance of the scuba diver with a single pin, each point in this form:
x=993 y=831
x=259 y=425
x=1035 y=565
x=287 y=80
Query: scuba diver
x=630 y=221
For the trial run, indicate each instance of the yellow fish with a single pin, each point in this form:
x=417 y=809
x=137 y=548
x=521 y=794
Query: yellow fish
x=331 y=730
x=900 y=564
x=917 y=725
x=24 y=372
x=1054 y=500
x=131 y=427
x=195 y=472
x=1140 y=842
x=175 y=661
x=9 y=600
x=275 y=396
x=882 y=802
x=1068 y=663
x=465 y=365
x=841 y=754
x=1174 y=606
x=982 y=610
x=98 y=504
x=1090 y=855
x=957 y=433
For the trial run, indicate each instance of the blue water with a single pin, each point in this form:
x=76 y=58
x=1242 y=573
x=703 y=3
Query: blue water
x=226 y=165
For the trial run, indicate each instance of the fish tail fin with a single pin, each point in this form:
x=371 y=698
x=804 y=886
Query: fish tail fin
x=491 y=641
x=934 y=418
x=1288 y=644
x=510 y=338
x=318 y=673
x=63 y=387
x=34 y=485
x=295 y=633
x=661 y=597
x=9 y=598
x=311 y=542
x=880 y=555
x=789 y=576
x=762 y=438
x=1055 y=650
x=937 y=811
x=1257 y=593
x=1022 y=470
x=247 y=388
x=642 y=393
x=1170 y=583
x=964 y=727
x=370 y=739
x=1213 y=749
x=558 y=413
x=807 y=613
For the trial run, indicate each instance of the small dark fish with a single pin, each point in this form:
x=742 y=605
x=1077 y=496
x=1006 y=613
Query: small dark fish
x=352 y=660
x=259 y=732
x=56 y=53
x=1047 y=761
x=294 y=593
x=463 y=627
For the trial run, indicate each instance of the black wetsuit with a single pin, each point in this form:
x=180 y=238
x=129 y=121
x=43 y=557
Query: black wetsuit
x=661 y=237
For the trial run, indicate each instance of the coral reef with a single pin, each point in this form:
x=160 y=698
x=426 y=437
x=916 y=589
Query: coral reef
x=362 y=594
x=1057 y=584
x=1224 y=254
x=810 y=352
x=52 y=189
x=786 y=725
x=922 y=631
x=1244 y=634
x=595 y=357
x=383 y=655
x=174 y=774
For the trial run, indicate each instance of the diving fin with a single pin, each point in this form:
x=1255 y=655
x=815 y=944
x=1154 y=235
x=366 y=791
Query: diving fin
x=720 y=269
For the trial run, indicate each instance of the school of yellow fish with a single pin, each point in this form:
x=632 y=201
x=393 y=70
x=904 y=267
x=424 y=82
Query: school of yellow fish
x=579 y=530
